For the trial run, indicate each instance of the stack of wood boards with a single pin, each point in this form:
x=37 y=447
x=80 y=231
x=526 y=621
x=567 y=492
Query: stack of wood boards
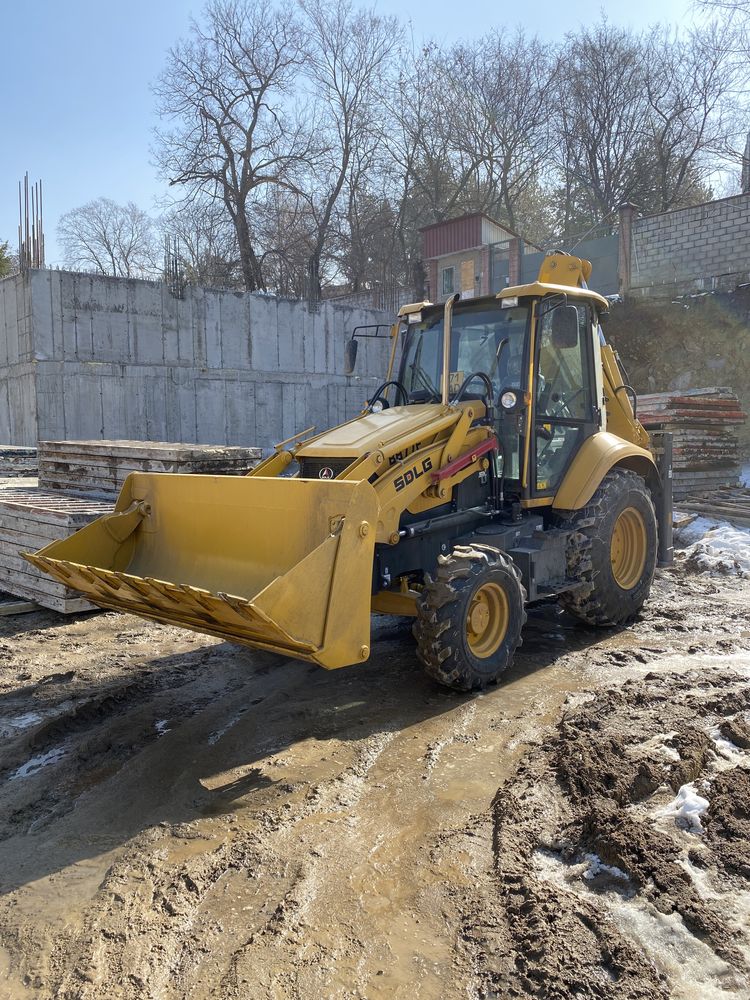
x=729 y=504
x=703 y=423
x=29 y=519
x=101 y=467
x=16 y=462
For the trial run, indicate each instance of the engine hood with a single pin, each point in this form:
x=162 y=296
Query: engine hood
x=378 y=430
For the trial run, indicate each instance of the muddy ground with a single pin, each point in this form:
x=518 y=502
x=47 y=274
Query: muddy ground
x=180 y=817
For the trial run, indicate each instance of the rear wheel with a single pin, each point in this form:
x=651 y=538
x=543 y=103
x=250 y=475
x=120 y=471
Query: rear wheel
x=469 y=617
x=613 y=551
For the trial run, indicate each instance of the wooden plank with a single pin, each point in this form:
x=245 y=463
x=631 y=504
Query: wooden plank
x=159 y=450
x=65 y=605
x=13 y=576
x=17 y=607
x=147 y=463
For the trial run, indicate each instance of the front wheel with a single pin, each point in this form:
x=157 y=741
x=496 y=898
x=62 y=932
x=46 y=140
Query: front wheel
x=469 y=617
x=612 y=552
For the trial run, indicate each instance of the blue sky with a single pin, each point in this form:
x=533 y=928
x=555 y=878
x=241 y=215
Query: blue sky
x=76 y=106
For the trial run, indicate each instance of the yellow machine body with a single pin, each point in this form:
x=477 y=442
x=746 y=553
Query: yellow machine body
x=285 y=563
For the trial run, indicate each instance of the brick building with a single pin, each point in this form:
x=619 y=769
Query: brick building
x=702 y=248
x=473 y=255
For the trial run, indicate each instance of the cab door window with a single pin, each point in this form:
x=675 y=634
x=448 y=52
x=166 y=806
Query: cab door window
x=563 y=410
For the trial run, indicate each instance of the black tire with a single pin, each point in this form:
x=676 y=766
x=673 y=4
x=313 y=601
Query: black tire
x=443 y=620
x=602 y=600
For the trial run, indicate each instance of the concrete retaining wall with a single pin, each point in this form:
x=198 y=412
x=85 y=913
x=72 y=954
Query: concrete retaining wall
x=83 y=356
x=17 y=382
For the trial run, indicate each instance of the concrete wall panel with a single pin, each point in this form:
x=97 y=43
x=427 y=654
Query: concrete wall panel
x=104 y=357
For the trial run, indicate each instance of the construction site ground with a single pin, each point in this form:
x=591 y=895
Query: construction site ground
x=181 y=817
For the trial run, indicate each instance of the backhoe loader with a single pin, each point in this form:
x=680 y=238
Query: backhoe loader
x=502 y=465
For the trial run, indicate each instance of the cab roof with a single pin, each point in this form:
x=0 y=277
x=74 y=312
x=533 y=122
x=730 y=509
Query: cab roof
x=539 y=288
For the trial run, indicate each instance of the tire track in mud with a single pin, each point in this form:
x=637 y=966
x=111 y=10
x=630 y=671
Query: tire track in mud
x=166 y=904
x=297 y=834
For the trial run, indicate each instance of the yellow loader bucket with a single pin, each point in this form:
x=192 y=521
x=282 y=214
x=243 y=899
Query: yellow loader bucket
x=281 y=564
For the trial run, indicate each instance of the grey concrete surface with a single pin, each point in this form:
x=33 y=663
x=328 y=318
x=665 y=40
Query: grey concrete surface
x=89 y=357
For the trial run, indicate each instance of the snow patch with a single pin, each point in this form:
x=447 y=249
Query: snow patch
x=37 y=763
x=658 y=744
x=162 y=727
x=727 y=749
x=12 y=724
x=694 y=971
x=216 y=735
x=688 y=808
x=597 y=867
x=716 y=547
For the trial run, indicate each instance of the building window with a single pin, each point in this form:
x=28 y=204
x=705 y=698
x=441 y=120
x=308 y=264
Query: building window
x=448 y=280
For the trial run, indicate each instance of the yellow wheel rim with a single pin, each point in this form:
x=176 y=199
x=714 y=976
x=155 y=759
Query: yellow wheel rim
x=487 y=620
x=628 y=548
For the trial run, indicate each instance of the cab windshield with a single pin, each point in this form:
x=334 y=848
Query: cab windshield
x=484 y=338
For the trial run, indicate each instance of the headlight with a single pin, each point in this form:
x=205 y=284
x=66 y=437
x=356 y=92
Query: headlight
x=508 y=400
x=377 y=406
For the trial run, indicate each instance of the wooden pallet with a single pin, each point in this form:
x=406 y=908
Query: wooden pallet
x=31 y=518
x=102 y=467
x=17 y=461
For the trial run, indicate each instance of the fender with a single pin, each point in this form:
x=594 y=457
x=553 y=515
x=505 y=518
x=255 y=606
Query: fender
x=594 y=459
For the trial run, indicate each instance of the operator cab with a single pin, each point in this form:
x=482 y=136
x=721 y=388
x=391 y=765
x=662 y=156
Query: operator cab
x=531 y=350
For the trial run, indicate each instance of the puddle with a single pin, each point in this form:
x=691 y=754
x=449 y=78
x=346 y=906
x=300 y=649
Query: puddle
x=10 y=725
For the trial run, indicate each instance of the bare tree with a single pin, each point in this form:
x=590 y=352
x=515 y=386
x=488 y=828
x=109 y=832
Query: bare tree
x=109 y=238
x=602 y=108
x=691 y=116
x=206 y=241
x=503 y=90
x=348 y=55
x=225 y=95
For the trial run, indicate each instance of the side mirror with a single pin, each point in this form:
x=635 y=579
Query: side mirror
x=564 y=327
x=350 y=356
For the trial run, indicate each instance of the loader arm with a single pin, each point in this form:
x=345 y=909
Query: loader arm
x=278 y=563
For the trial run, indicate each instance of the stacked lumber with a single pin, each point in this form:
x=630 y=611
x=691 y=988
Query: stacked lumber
x=703 y=423
x=728 y=504
x=16 y=462
x=101 y=467
x=29 y=519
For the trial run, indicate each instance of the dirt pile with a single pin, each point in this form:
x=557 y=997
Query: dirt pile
x=606 y=887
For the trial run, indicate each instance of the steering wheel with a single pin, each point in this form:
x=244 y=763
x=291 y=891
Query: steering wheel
x=565 y=404
x=400 y=391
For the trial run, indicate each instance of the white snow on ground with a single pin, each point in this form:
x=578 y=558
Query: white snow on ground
x=695 y=972
x=12 y=724
x=715 y=547
x=688 y=808
x=37 y=763
x=216 y=735
x=162 y=726
x=597 y=867
x=728 y=750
